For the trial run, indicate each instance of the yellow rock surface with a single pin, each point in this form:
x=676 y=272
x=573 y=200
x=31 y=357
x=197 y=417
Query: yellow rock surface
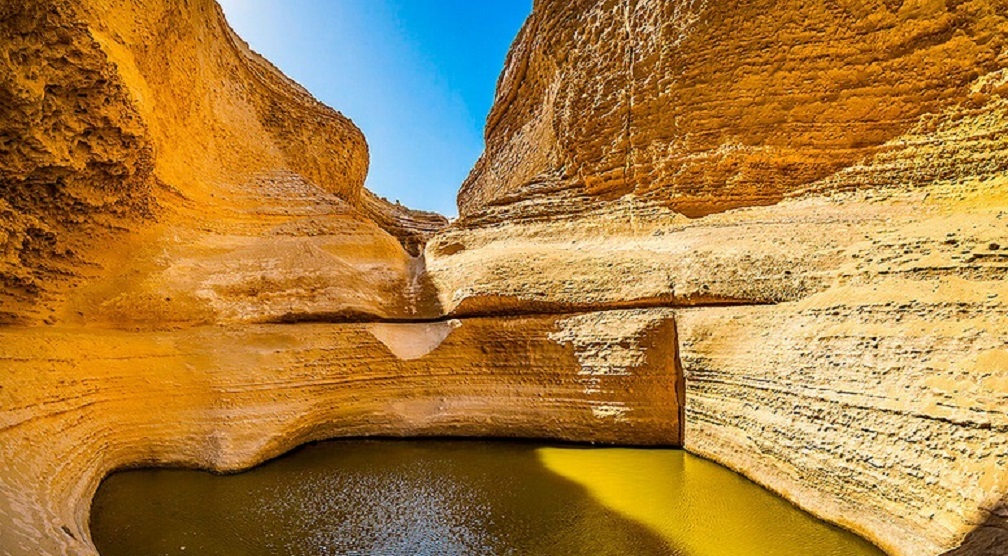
x=704 y=106
x=79 y=403
x=153 y=166
x=822 y=188
x=773 y=232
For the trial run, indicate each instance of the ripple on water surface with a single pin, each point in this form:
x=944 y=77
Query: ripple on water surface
x=458 y=498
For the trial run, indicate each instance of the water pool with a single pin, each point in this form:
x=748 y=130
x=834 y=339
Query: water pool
x=459 y=498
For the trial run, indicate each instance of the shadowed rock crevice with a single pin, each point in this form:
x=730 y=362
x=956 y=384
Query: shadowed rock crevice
x=989 y=538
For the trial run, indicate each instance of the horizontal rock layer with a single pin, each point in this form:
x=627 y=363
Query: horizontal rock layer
x=77 y=404
x=885 y=417
x=867 y=385
x=810 y=170
x=133 y=130
x=819 y=192
x=705 y=106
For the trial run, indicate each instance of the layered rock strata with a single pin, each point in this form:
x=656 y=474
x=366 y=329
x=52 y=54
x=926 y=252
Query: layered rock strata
x=78 y=404
x=774 y=232
x=822 y=189
x=144 y=145
x=865 y=381
x=703 y=106
x=157 y=176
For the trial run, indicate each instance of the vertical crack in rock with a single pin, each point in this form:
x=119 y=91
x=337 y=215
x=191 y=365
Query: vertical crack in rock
x=680 y=374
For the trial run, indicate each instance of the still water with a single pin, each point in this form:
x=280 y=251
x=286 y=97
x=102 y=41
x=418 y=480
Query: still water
x=458 y=498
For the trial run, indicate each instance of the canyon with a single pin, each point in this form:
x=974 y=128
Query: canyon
x=772 y=233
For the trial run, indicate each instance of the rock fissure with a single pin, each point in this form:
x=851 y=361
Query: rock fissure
x=507 y=313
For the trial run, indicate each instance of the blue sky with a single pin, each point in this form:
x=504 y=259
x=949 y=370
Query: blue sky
x=417 y=76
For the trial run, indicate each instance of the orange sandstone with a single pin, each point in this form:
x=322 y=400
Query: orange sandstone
x=772 y=232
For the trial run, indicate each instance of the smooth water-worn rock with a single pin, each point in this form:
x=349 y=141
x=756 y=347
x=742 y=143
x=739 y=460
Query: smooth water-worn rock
x=156 y=172
x=227 y=398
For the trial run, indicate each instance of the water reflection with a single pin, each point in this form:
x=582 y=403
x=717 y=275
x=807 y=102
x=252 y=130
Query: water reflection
x=701 y=507
x=414 y=497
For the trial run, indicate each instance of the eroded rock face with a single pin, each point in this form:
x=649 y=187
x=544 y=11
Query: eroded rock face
x=191 y=229
x=705 y=106
x=227 y=398
x=146 y=141
x=773 y=232
x=828 y=208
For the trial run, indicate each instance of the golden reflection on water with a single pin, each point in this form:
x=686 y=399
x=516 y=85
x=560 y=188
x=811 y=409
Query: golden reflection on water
x=461 y=498
x=699 y=507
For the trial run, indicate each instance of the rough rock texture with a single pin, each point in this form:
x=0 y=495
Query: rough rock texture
x=825 y=185
x=868 y=385
x=706 y=106
x=191 y=228
x=147 y=139
x=226 y=398
x=774 y=232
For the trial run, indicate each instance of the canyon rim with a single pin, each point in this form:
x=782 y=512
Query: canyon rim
x=772 y=233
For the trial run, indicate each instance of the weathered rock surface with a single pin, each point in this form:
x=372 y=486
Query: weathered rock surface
x=78 y=404
x=832 y=177
x=774 y=232
x=705 y=106
x=150 y=156
x=175 y=210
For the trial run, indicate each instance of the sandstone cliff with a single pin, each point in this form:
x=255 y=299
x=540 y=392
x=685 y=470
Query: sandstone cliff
x=227 y=398
x=704 y=106
x=822 y=189
x=192 y=274
x=150 y=156
x=773 y=232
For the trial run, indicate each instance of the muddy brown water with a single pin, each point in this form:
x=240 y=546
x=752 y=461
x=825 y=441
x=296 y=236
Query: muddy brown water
x=380 y=497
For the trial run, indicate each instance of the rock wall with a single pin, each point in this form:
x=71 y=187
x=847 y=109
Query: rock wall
x=822 y=189
x=705 y=106
x=77 y=404
x=773 y=232
x=135 y=134
x=194 y=275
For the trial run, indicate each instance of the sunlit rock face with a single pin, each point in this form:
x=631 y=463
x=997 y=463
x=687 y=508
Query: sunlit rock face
x=156 y=172
x=706 y=106
x=645 y=116
x=194 y=275
x=830 y=176
x=228 y=397
x=773 y=232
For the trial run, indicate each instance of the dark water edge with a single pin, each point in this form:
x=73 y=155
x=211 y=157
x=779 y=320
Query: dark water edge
x=452 y=497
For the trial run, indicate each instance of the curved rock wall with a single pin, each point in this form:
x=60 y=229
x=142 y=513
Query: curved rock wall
x=138 y=136
x=705 y=106
x=218 y=288
x=77 y=404
x=773 y=232
x=822 y=188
